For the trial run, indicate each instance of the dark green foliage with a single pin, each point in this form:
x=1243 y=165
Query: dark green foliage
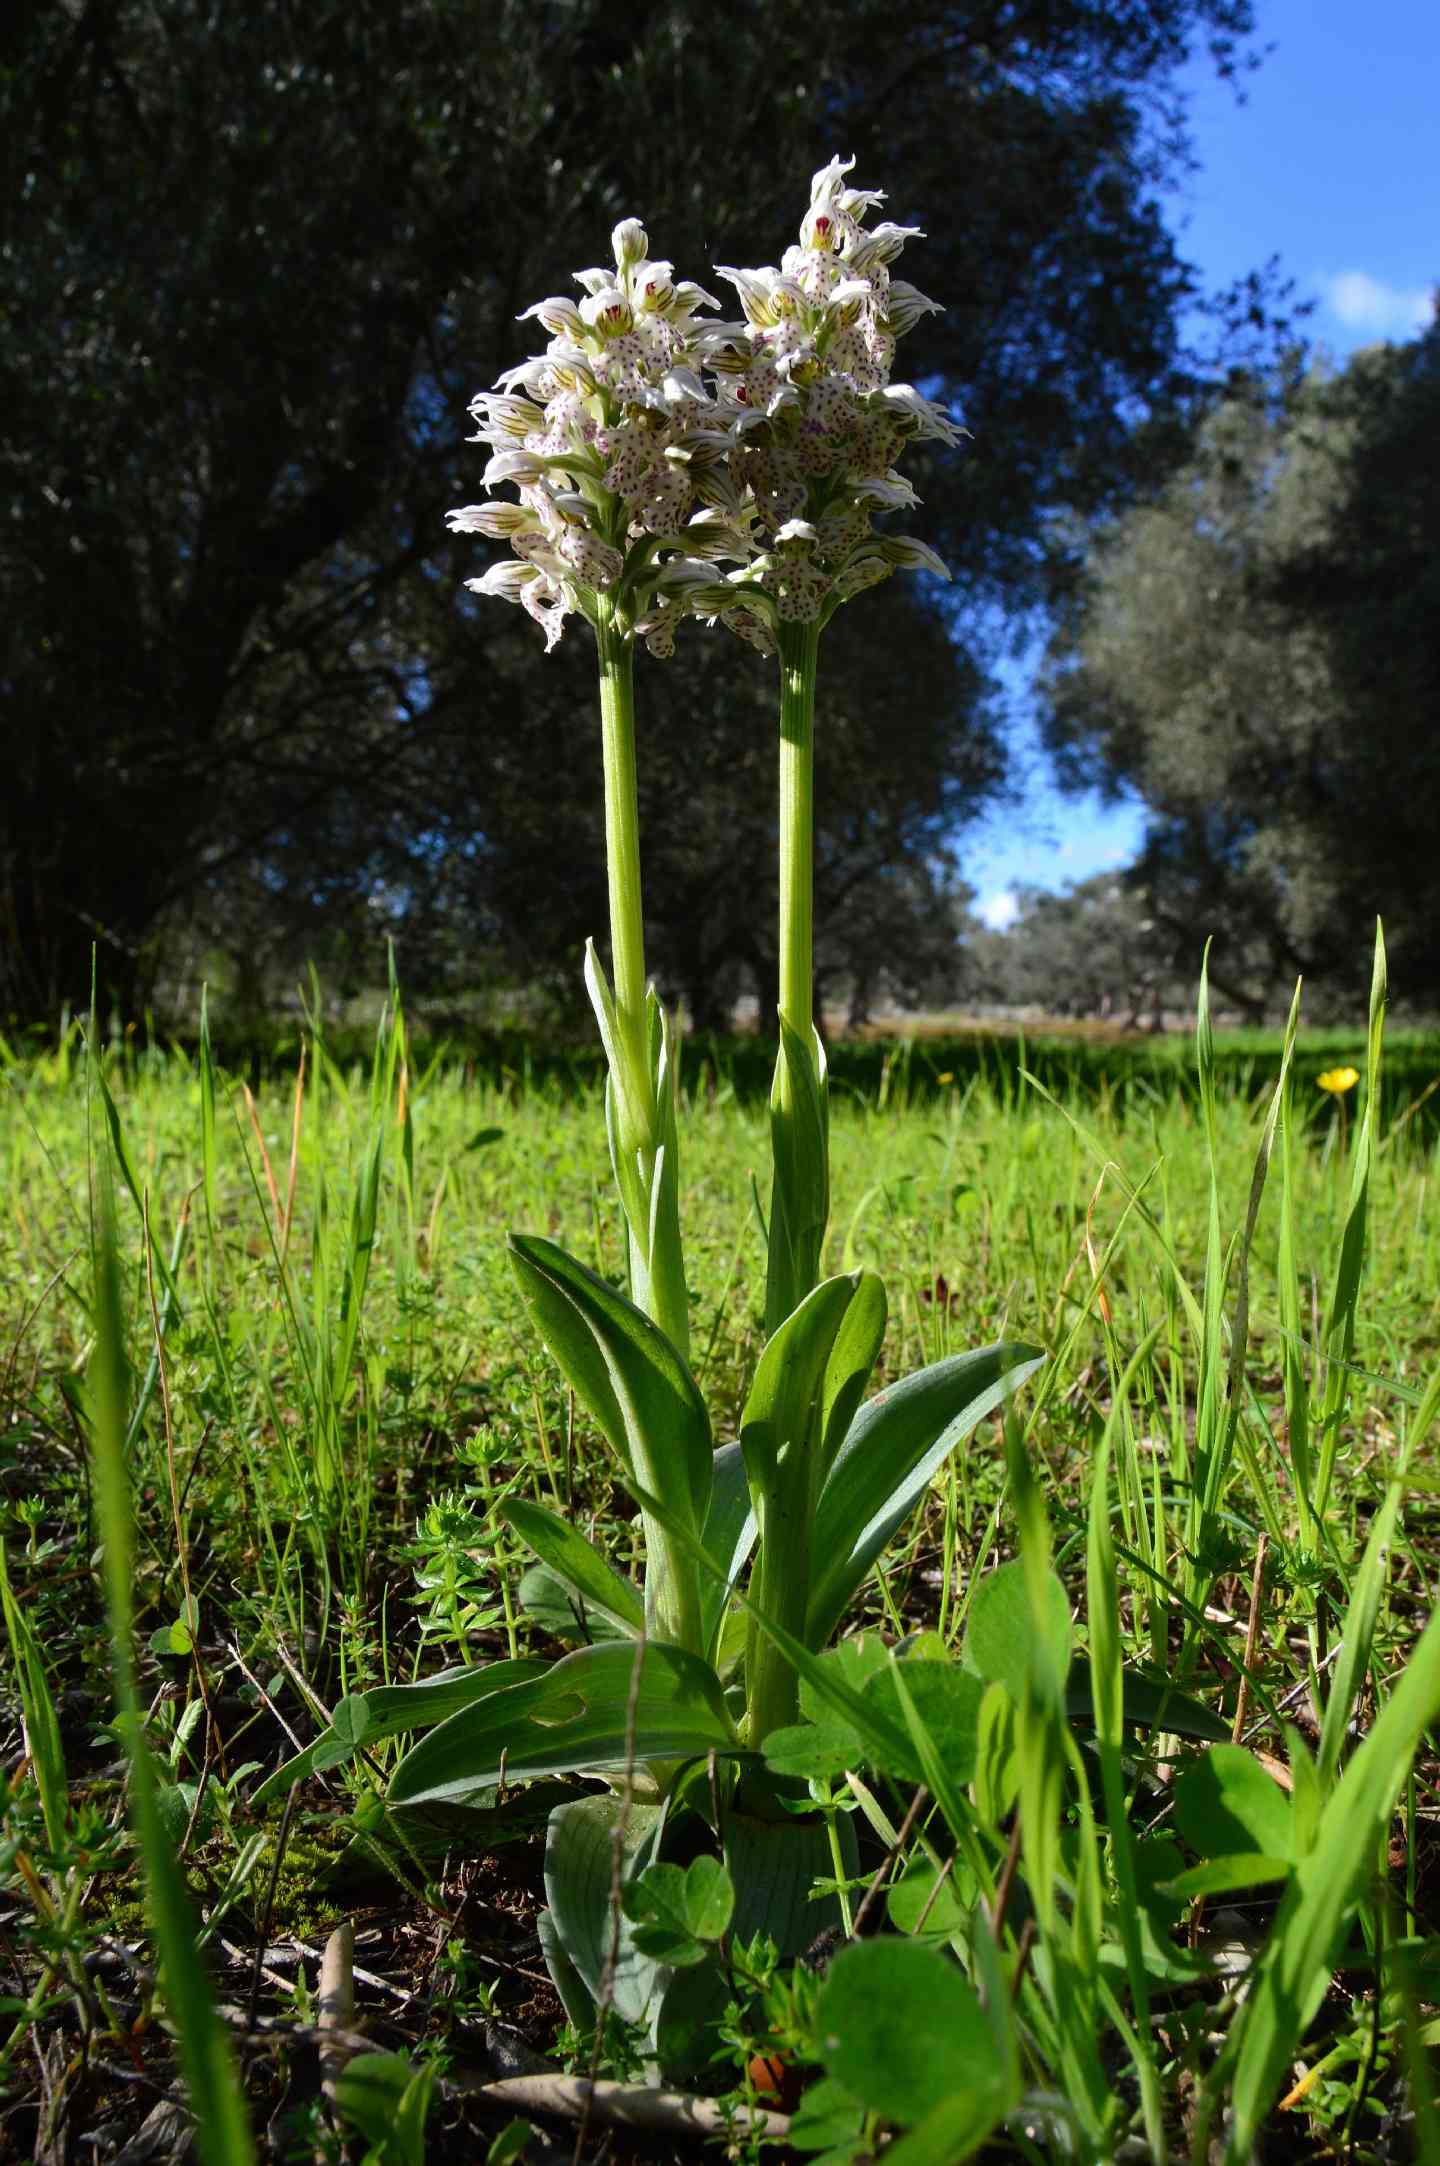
x=256 y=263
x=1256 y=653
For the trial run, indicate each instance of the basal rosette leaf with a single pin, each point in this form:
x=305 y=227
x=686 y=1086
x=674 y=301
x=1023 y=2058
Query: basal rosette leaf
x=368 y=1718
x=784 y=1409
x=560 y=1546
x=638 y=1389
x=893 y=1448
x=600 y=1708
x=729 y=1538
x=800 y=1195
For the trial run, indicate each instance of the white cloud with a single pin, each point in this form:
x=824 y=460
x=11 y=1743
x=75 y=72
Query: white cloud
x=1363 y=303
x=1000 y=910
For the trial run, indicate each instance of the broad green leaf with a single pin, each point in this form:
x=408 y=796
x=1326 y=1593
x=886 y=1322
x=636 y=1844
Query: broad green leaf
x=1226 y=1805
x=950 y=2132
x=549 y=1602
x=625 y=1371
x=1158 y=1863
x=784 y=1409
x=367 y=1718
x=580 y=1864
x=855 y=1661
x=481 y=1821
x=580 y=1716
x=895 y=1444
x=780 y=1436
x=1000 y=1633
x=945 y=1700
x=729 y=1537
x=774 y=1865
x=800 y=1193
x=576 y=1561
x=852 y=1358
x=877 y=1729
x=815 y=1751
x=688 y=2019
x=997 y=1765
x=828 y=2119
x=575 y=1996
x=1226 y=1874
x=1148 y=1704
x=923 y=1904
x=388 y=2101
x=827 y=1743
x=677 y=1912
x=904 y=2032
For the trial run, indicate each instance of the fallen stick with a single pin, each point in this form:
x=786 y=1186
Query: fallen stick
x=335 y=2004
x=667 y=2113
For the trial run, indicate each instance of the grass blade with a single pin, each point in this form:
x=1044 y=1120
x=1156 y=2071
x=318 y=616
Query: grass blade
x=212 y=2079
x=1294 y=1970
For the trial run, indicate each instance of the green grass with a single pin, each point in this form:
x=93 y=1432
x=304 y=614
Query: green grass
x=328 y=1382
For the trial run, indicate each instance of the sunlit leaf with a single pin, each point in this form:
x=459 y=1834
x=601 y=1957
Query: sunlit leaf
x=598 y=1708
x=895 y=1445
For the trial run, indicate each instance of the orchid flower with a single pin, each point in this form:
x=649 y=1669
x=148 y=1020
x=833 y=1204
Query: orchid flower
x=605 y=437
x=815 y=421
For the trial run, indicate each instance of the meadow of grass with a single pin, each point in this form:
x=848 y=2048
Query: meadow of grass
x=328 y=1385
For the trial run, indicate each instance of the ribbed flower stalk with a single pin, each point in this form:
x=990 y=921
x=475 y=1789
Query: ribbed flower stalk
x=640 y=1093
x=799 y=644
x=622 y=833
x=799 y=1101
x=800 y=1190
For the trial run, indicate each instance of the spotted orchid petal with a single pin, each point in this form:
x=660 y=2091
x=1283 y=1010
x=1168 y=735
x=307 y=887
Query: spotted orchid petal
x=890 y=491
x=928 y=419
x=497 y=521
x=907 y=305
x=912 y=555
x=519 y=466
x=505 y=579
x=753 y=288
x=558 y=315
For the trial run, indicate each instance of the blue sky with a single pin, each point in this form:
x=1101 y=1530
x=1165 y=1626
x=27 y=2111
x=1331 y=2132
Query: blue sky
x=1332 y=164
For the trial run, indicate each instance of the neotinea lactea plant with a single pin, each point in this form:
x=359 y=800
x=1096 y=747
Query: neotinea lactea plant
x=666 y=466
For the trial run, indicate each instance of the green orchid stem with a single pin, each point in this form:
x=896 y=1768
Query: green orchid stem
x=799 y=645
x=642 y=1101
x=781 y=1589
x=800 y=1194
x=622 y=847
